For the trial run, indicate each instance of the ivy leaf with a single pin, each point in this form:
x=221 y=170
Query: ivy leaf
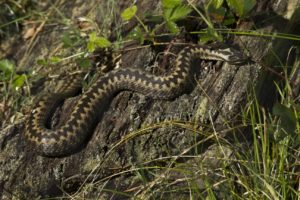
x=171 y=3
x=241 y=7
x=128 y=13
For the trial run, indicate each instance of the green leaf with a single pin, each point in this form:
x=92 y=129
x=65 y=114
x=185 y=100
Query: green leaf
x=167 y=13
x=216 y=14
x=180 y=12
x=287 y=117
x=230 y=19
x=172 y=26
x=71 y=39
x=128 y=13
x=55 y=59
x=92 y=37
x=91 y=46
x=241 y=7
x=19 y=81
x=84 y=62
x=102 y=42
x=217 y=3
x=210 y=35
x=42 y=62
x=156 y=19
x=95 y=41
x=137 y=34
x=7 y=67
x=171 y=3
x=67 y=41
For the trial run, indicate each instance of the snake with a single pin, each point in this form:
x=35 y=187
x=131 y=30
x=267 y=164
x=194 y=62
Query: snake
x=69 y=137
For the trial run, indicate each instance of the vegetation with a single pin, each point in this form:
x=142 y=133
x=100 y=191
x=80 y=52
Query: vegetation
x=265 y=168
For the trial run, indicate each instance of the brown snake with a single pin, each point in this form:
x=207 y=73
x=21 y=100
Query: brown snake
x=69 y=137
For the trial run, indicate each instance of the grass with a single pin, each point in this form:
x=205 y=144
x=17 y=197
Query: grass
x=266 y=167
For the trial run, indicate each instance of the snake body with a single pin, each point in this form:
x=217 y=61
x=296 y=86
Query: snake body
x=69 y=137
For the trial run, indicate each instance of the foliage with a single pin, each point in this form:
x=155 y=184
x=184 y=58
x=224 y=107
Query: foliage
x=7 y=74
x=129 y=13
x=174 y=10
x=95 y=42
x=241 y=7
x=7 y=68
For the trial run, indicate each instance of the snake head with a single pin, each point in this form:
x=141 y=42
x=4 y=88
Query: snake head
x=234 y=56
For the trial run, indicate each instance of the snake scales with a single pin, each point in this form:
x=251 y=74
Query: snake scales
x=69 y=137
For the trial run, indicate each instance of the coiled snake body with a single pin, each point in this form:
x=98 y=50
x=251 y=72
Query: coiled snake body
x=68 y=138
